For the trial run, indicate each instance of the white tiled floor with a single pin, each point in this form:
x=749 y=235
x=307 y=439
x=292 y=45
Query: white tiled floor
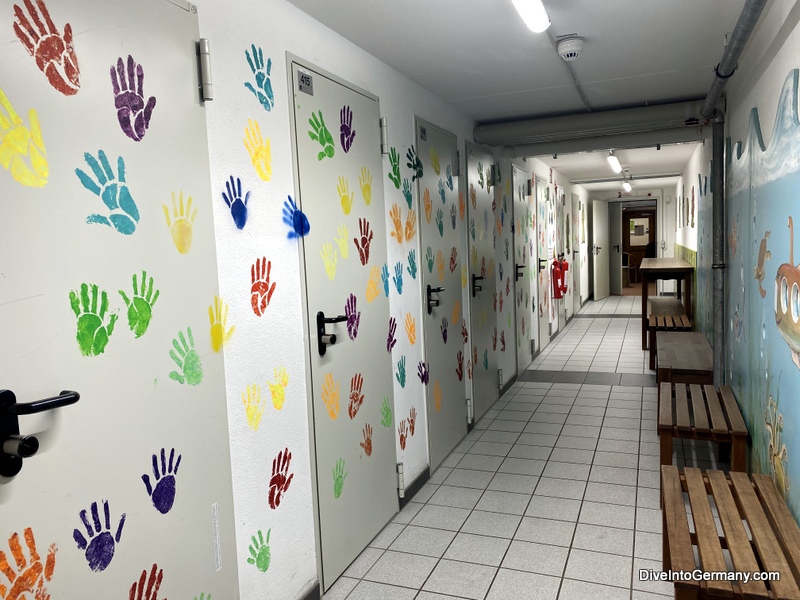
x=553 y=495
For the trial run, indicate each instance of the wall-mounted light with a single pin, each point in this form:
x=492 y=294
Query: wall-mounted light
x=533 y=13
x=613 y=161
x=626 y=186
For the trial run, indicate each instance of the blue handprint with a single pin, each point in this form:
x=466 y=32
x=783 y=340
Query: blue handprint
x=385 y=279
x=449 y=177
x=502 y=218
x=112 y=191
x=163 y=495
x=441 y=192
x=398 y=277
x=453 y=215
x=429 y=259
x=412 y=263
x=101 y=545
x=444 y=328
x=237 y=205
x=401 y=372
x=440 y=221
x=407 y=193
x=295 y=219
x=263 y=87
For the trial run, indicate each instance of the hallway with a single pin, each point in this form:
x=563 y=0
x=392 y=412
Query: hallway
x=553 y=494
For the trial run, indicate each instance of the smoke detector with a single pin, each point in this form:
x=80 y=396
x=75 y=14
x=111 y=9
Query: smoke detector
x=570 y=48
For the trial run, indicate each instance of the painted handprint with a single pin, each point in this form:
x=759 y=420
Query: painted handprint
x=140 y=309
x=483 y=266
x=356 y=397
x=339 y=475
x=440 y=221
x=147 y=587
x=218 y=316
x=93 y=329
x=440 y=265
x=261 y=289
x=346 y=132
x=281 y=478
x=411 y=329
x=437 y=396
x=372 y=284
x=29 y=578
x=453 y=259
x=426 y=202
x=502 y=341
x=295 y=219
x=400 y=375
x=113 y=191
x=463 y=275
x=385 y=279
x=472 y=229
x=407 y=193
x=99 y=549
x=473 y=196
x=365 y=183
x=342 y=241
x=367 y=443
x=258 y=149
x=345 y=195
x=397 y=223
x=163 y=494
x=453 y=216
x=412 y=420
x=449 y=177
x=394 y=162
x=460 y=365
x=480 y=173
x=22 y=148
x=133 y=113
x=475 y=356
x=277 y=388
x=412 y=263
x=236 y=203
x=402 y=431
x=456 y=316
x=363 y=241
x=500 y=302
x=353 y=316
x=486 y=360
x=53 y=52
x=330 y=396
x=442 y=194
x=259 y=552
x=429 y=259
x=397 y=279
x=469 y=368
x=263 y=88
x=321 y=134
x=386 y=412
x=435 y=160
x=329 y=256
x=253 y=406
x=464 y=331
x=462 y=206
x=422 y=372
x=411 y=225
x=443 y=327
x=188 y=360
x=494 y=339
x=500 y=270
x=414 y=163
x=182 y=223
x=391 y=340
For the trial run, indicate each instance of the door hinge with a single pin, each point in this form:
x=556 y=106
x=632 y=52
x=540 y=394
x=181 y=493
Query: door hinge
x=500 y=378
x=401 y=482
x=492 y=176
x=384 y=125
x=470 y=412
x=529 y=187
x=204 y=56
x=457 y=166
x=533 y=347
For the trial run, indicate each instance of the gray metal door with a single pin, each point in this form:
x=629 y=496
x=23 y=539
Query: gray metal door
x=346 y=296
x=600 y=249
x=576 y=261
x=524 y=267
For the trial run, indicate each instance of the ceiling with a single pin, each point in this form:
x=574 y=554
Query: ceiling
x=479 y=56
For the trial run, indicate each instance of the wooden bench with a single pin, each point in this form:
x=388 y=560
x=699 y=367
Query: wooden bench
x=696 y=412
x=664 y=323
x=684 y=357
x=773 y=544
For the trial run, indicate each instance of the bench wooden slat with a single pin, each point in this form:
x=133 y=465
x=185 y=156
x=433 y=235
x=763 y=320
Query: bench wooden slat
x=781 y=520
x=735 y=536
x=681 y=555
x=682 y=408
x=652 y=320
x=767 y=546
x=687 y=324
x=732 y=410
x=665 y=408
x=660 y=321
x=669 y=321
x=699 y=407
x=718 y=423
x=711 y=557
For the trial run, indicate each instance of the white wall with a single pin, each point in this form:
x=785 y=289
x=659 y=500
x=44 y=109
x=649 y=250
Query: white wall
x=583 y=195
x=259 y=345
x=699 y=165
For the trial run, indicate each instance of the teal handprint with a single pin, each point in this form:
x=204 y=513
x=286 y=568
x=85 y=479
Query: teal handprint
x=321 y=134
x=506 y=249
x=263 y=89
x=339 y=475
x=440 y=221
x=472 y=228
x=397 y=279
x=486 y=359
x=401 y=372
x=480 y=173
x=259 y=552
x=449 y=177
x=113 y=191
x=429 y=258
x=140 y=309
x=412 y=263
x=441 y=192
x=386 y=412
x=188 y=360
x=394 y=161
x=93 y=330
x=407 y=193
x=385 y=279
x=414 y=163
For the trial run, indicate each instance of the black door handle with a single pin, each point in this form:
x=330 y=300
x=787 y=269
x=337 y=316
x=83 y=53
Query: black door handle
x=574 y=252
x=432 y=301
x=326 y=339
x=519 y=274
x=542 y=264
x=616 y=246
x=476 y=287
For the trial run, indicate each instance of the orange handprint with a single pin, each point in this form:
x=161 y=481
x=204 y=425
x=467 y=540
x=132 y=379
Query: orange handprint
x=372 y=284
x=426 y=201
x=437 y=396
x=356 y=397
x=411 y=224
x=462 y=206
x=397 y=223
x=456 y=312
x=330 y=396
x=367 y=443
x=402 y=429
x=28 y=578
x=440 y=265
x=411 y=329
x=412 y=419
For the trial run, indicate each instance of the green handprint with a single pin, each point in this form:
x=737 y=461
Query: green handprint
x=509 y=320
x=412 y=263
x=386 y=412
x=93 y=331
x=401 y=372
x=414 y=163
x=394 y=161
x=480 y=173
x=339 y=475
x=259 y=552
x=429 y=258
x=203 y=597
x=407 y=193
x=440 y=221
x=187 y=359
x=472 y=228
x=140 y=309
x=506 y=249
x=321 y=135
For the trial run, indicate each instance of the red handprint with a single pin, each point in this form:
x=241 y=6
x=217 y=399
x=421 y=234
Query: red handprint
x=261 y=290
x=508 y=285
x=28 y=578
x=402 y=429
x=495 y=301
x=469 y=368
x=281 y=479
x=412 y=419
x=362 y=243
x=453 y=259
x=152 y=583
x=502 y=341
x=464 y=332
x=356 y=397
x=500 y=305
x=54 y=53
x=494 y=339
x=460 y=365
x=367 y=443
x=474 y=355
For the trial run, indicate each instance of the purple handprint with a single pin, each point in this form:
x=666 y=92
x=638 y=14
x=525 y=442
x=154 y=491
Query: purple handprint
x=101 y=545
x=346 y=132
x=422 y=371
x=391 y=340
x=444 y=329
x=163 y=496
x=353 y=317
x=132 y=112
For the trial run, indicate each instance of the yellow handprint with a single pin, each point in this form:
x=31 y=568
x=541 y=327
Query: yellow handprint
x=258 y=149
x=278 y=389
x=411 y=224
x=491 y=268
x=218 y=315
x=411 y=329
x=440 y=265
x=181 y=228
x=426 y=201
x=253 y=405
x=456 y=316
x=345 y=196
x=437 y=396
x=343 y=240
x=463 y=276
x=365 y=181
x=20 y=145
x=330 y=396
x=329 y=256
x=397 y=223
x=474 y=255
x=435 y=161
x=372 y=284
x=462 y=206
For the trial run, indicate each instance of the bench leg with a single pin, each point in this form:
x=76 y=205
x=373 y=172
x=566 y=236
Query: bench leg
x=666 y=558
x=652 y=349
x=684 y=593
x=739 y=453
x=665 y=439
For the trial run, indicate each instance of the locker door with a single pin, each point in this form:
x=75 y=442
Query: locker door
x=577 y=256
x=346 y=296
x=443 y=255
x=525 y=267
x=543 y=263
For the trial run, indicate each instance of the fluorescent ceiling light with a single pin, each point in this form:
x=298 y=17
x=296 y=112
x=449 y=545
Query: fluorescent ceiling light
x=533 y=13
x=626 y=186
x=614 y=162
